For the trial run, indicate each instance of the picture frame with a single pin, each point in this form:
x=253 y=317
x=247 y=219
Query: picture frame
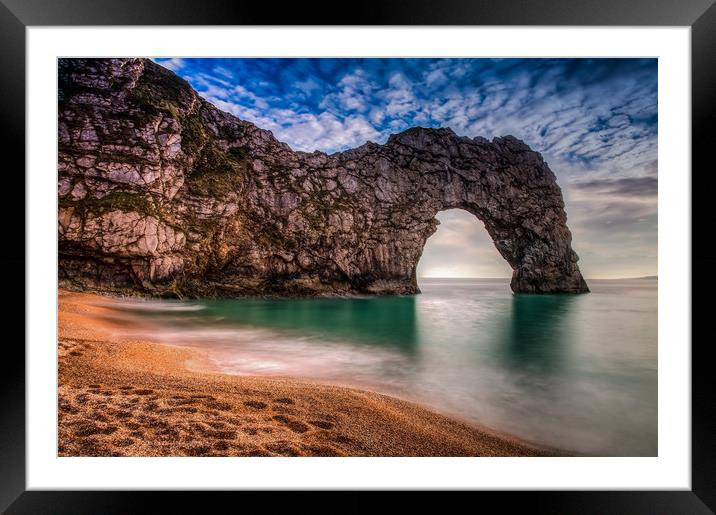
x=17 y=15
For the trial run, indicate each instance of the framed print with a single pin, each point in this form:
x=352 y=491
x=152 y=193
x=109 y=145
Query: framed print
x=447 y=251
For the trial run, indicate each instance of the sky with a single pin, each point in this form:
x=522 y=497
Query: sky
x=593 y=120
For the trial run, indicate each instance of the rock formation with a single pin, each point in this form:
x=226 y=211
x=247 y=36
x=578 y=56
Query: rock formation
x=162 y=193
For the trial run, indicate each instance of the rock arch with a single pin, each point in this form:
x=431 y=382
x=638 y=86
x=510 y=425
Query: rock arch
x=505 y=184
x=163 y=193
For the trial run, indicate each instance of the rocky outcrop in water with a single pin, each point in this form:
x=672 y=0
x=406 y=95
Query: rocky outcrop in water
x=162 y=193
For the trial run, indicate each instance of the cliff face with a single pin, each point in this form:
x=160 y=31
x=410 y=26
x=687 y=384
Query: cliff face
x=162 y=193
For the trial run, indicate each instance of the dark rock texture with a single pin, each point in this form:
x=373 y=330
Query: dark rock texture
x=162 y=193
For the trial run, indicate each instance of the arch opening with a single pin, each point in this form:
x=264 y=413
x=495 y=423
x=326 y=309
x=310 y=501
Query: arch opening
x=461 y=247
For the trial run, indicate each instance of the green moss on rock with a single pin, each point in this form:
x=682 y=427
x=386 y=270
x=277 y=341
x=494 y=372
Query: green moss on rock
x=144 y=204
x=193 y=134
x=160 y=90
x=217 y=172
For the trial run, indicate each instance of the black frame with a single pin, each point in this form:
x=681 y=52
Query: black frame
x=16 y=15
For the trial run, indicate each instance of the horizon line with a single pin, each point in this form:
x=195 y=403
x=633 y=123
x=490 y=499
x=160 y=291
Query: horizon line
x=508 y=278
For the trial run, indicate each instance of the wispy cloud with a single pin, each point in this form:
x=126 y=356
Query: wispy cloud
x=580 y=110
x=623 y=187
x=174 y=64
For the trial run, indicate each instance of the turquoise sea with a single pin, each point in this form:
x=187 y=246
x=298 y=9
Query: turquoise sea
x=578 y=372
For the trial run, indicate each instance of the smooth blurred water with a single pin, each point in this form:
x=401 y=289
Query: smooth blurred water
x=574 y=371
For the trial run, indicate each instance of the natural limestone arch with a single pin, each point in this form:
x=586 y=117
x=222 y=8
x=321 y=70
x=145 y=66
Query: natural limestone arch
x=503 y=183
x=161 y=192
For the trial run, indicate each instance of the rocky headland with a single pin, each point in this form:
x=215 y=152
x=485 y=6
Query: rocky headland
x=161 y=193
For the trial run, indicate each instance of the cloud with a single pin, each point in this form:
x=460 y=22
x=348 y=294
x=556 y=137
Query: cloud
x=398 y=97
x=174 y=64
x=584 y=111
x=327 y=131
x=623 y=187
x=308 y=86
